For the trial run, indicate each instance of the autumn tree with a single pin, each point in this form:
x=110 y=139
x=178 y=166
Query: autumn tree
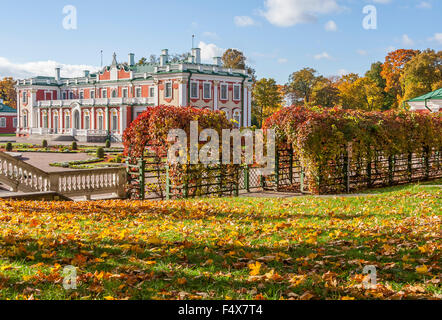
x=392 y=70
x=375 y=74
x=300 y=86
x=234 y=59
x=422 y=74
x=267 y=97
x=7 y=92
x=360 y=93
x=325 y=93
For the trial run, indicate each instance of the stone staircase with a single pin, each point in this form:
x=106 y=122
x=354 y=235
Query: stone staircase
x=22 y=177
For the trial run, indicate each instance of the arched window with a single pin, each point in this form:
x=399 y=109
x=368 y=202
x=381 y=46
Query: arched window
x=67 y=120
x=87 y=120
x=237 y=118
x=45 y=119
x=76 y=119
x=100 y=120
x=114 y=121
x=114 y=94
x=55 y=121
x=226 y=112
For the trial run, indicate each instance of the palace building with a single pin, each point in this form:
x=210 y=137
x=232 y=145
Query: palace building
x=98 y=105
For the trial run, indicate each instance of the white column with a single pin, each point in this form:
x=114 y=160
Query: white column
x=157 y=93
x=215 y=95
x=18 y=111
x=182 y=93
x=106 y=119
x=249 y=106
x=122 y=118
x=92 y=113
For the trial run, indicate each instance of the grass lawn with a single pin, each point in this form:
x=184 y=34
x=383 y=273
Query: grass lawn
x=242 y=248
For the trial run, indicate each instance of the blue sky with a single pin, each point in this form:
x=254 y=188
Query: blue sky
x=277 y=36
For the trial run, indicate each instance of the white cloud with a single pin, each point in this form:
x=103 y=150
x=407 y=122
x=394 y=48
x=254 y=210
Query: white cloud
x=331 y=26
x=282 y=60
x=362 y=52
x=209 y=51
x=424 y=5
x=41 y=68
x=437 y=38
x=243 y=21
x=407 y=41
x=323 y=55
x=287 y=13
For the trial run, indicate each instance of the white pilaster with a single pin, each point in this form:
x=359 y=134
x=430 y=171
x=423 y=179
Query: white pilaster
x=215 y=95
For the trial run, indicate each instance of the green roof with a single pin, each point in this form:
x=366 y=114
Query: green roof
x=5 y=108
x=435 y=95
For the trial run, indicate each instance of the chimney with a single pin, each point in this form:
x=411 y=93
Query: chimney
x=218 y=61
x=86 y=73
x=164 y=58
x=57 y=74
x=196 y=52
x=131 y=59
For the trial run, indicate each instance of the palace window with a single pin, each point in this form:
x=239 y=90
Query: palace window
x=14 y=122
x=25 y=120
x=207 y=91
x=67 y=121
x=104 y=93
x=168 y=90
x=25 y=97
x=237 y=118
x=100 y=121
x=92 y=94
x=114 y=94
x=2 y=122
x=138 y=92
x=71 y=95
x=125 y=94
x=224 y=92
x=114 y=121
x=236 y=92
x=45 y=120
x=194 y=90
x=81 y=94
x=151 y=92
x=87 y=121
x=64 y=96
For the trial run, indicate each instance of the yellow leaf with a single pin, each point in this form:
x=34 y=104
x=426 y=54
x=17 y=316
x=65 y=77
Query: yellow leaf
x=255 y=268
x=422 y=269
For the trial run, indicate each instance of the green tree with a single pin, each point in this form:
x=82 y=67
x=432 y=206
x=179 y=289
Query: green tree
x=268 y=99
x=300 y=86
x=324 y=93
x=234 y=59
x=375 y=74
x=360 y=93
x=422 y=74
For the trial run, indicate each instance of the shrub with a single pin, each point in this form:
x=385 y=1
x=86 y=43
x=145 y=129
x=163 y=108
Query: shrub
x=100 y=153
x=108 y=143
x=74 y=146
x=44 y=143
x=9 y=147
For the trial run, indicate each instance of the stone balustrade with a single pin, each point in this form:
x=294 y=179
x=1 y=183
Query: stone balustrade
x=21 y=176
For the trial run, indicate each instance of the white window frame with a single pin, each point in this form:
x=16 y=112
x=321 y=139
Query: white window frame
x=67 y=124
x=171 y=90
x=204 y=90
x=81 y=95
x=87 y=124
x=236 y=113
x=125 y=93
x=226 y=86
x=14 y=122
x=25 y=97
x=64 y=95
x=104 y=93
x=138 y=92
x=92 y=94
x=197 y=90
x=114 y=91
x=237 y=86
x=2 y=122
x=152 y=91
x=71 y=95
x=114 y=117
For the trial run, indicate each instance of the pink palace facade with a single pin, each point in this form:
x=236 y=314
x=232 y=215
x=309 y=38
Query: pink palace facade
x=98 y=105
